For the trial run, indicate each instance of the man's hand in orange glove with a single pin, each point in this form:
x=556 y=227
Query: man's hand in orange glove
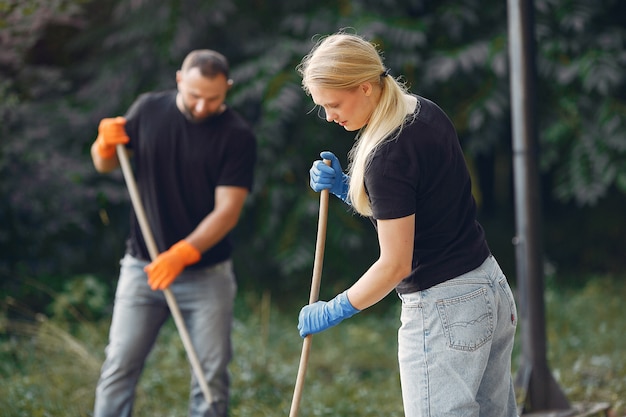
x=168 y=265
x=111 y=133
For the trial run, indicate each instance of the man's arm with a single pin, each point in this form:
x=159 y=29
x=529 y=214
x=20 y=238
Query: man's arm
x=229 y=203
x=103 y=165
x=225 y=215
x=111 y=133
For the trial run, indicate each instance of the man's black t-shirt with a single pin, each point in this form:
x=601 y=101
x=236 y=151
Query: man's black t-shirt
x=178 y=164
x=422 y=171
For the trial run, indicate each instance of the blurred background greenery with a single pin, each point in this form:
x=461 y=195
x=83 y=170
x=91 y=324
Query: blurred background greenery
x=65 y=64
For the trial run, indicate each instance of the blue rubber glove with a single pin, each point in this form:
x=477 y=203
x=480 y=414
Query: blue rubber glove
x=321 y=315
x=332 y=178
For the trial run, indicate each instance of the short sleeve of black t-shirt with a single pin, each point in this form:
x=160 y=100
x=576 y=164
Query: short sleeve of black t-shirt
x=178 y=165
x=422 y=171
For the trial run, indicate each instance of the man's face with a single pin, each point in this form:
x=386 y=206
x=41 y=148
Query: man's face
x=200 y=97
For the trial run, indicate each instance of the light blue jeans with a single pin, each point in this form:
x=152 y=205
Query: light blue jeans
x=455 y=344
x=205 y=298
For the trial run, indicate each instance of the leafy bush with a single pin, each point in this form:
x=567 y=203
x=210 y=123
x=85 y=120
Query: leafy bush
x=68 y=63
x=83 y=297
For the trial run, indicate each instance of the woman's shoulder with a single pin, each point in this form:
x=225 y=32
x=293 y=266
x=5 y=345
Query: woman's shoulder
x=429 y=117
x=427 y=109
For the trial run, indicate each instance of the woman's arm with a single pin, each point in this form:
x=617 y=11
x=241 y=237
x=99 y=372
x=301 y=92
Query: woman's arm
x=395 y=238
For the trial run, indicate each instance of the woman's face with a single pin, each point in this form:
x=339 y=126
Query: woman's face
x=348 y=108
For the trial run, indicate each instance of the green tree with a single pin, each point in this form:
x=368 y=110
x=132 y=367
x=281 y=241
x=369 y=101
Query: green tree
x=581 y=61
x=66 y=64
x=43 y=194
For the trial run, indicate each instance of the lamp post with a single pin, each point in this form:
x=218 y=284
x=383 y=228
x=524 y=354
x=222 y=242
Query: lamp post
x=539 y=389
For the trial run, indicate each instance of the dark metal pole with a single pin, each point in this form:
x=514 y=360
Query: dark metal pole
x=539 y=389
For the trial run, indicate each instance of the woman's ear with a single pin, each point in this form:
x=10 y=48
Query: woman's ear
x=366 y=88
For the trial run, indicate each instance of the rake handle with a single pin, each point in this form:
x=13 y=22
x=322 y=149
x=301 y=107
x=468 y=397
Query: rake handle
x=313 y=297
x=152 y=249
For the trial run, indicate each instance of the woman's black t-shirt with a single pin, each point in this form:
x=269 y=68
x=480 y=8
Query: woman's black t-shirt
x=422 y=171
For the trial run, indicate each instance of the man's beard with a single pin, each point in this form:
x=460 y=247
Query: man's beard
x=188 y=113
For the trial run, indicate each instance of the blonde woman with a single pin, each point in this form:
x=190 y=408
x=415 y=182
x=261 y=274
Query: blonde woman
x=407 y=174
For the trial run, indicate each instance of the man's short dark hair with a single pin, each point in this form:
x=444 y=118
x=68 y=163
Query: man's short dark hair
x=210 y=63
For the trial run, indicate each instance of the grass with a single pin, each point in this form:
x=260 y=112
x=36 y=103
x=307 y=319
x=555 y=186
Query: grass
x=587 y=336
x=49 y=366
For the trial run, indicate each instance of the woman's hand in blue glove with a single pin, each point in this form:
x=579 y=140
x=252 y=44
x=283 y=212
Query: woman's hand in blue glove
x=332 y=178
x=321 y=315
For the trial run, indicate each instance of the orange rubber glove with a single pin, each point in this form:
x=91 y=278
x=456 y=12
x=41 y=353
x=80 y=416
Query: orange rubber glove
x=169 y=264
x=111 y=133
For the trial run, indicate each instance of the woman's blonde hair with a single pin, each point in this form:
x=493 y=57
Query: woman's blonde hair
x=345 y=61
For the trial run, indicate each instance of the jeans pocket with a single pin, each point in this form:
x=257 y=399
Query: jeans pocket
x=508 y=294
x=467 y=320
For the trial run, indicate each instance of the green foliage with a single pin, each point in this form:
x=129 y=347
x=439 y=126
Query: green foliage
x=582 y=95
x=585 y=349
x=83 y=297
x=68 y=63
x=46 y=370
x=49 y=206
x=49 y=366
